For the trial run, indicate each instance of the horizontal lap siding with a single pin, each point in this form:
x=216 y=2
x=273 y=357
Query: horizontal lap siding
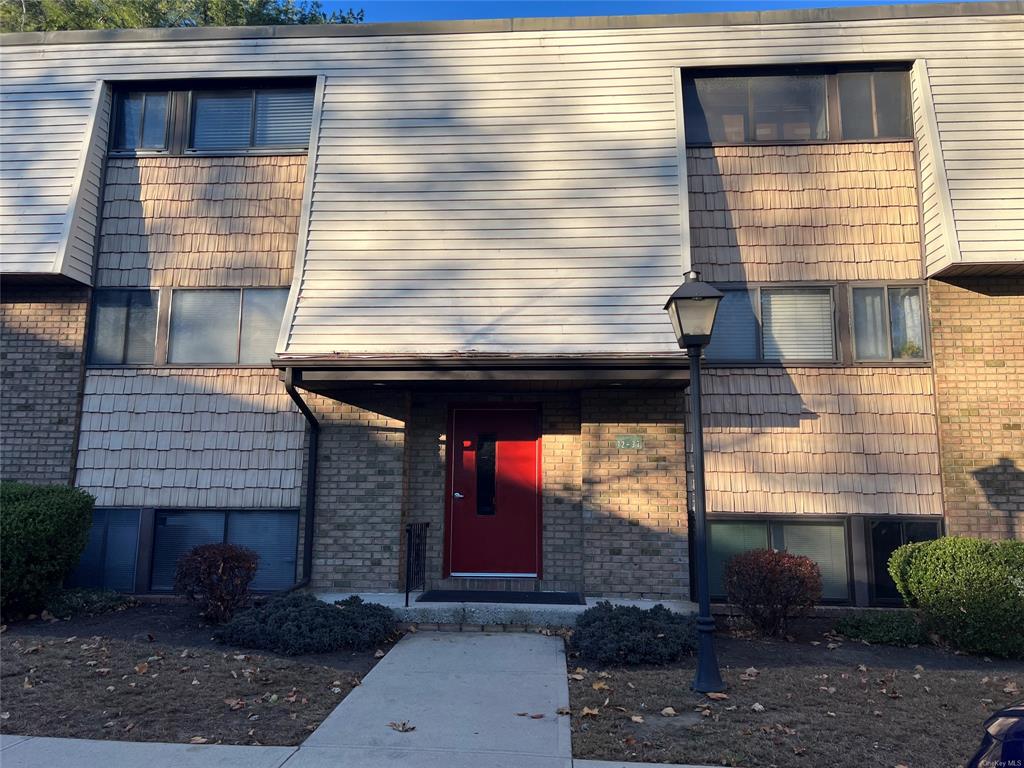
x=196 y=438
x=507 y=189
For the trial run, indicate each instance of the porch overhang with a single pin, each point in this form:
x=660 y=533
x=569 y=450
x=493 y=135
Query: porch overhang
x=325 y=373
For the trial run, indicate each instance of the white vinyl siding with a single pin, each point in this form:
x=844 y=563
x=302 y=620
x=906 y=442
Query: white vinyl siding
x=512 y=191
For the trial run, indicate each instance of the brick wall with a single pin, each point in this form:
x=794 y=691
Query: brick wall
x=359 y=491
x=978 y=347
x=634 y=501
x=42 y=339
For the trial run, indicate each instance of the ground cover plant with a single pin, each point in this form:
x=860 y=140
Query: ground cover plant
x=622 y=634
x=68 y=603
x=970 y=592
x=154 y=673
x=45 y=529
x=886 y=627
x=794 y=705
x=299 y=623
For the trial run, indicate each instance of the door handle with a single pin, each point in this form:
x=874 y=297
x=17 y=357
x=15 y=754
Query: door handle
x=458 y=495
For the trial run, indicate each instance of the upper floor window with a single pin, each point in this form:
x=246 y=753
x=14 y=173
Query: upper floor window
x=140 y=120
x=225 y=325
x=223 y=117
x=888 y=323
x=251 y=118
x=774 y=325
x=123 y=327
x=803 y=105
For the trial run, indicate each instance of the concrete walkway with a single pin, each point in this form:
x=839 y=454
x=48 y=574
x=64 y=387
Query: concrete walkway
x=463 y=693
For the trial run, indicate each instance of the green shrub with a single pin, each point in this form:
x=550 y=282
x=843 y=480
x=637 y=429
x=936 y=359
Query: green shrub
x=68 y=603
x=45 y=528
x=883 y=627
x=217 y=576
x=770 y=587
x=299 y=623
x=619 y=634
x=970 y=592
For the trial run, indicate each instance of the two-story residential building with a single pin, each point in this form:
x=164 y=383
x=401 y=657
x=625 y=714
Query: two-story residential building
x=297 y=288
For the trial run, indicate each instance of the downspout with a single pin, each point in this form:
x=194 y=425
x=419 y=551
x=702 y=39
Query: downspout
x=311 y=472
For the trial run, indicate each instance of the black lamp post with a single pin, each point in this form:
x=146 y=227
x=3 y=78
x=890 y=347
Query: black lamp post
x=692 y=310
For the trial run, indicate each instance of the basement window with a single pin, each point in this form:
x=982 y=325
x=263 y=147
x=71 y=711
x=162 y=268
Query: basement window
x=796 y=105
x=885 y=536
x=824 y=542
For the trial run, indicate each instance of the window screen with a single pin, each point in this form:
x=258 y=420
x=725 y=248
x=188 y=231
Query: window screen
x=262 y=310
x=123 y=328
x=796 y=324
x=204 y=326
x=140 y=120
x=735 y=333
x=108 y=561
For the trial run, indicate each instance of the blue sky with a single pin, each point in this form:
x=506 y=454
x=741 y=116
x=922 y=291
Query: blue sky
x=425 y=10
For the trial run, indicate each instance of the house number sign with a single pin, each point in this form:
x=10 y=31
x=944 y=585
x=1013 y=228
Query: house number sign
x=629 y=442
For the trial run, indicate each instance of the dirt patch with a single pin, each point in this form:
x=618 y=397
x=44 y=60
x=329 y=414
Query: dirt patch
x=155 y=673
x=802 y=705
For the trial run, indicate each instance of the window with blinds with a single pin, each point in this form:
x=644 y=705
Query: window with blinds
x=108 y=561
x=225 y=325
x=123 y=327
x=251 y=118
x=272 y=535
x=797 y=324
x=774 y=324
x=824 y=542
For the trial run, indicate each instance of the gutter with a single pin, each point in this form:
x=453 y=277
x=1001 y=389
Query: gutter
x=311 y=475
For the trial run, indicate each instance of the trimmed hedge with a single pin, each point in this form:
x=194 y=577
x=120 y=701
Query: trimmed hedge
x=619 y=634
x=217 y=576
x=970 y=592
x=45 y=529
x=884 y=628
x=770 y=587
x=298 y=623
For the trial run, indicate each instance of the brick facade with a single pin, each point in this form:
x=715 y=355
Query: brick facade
x=42 y=341
x=978 y=346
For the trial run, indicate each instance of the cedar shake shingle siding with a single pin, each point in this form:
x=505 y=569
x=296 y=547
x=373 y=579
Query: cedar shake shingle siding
x=203 y=437
x=200 y=221
x=812 y=212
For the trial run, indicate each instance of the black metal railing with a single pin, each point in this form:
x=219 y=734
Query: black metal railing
x=415 y=557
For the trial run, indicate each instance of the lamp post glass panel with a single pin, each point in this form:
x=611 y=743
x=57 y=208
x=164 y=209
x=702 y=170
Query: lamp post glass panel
x=692 y=309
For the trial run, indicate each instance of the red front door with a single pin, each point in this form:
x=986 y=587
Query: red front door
x=494 y=490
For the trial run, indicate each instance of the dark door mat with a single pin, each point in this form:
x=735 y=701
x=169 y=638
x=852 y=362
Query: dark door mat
x=498 y=596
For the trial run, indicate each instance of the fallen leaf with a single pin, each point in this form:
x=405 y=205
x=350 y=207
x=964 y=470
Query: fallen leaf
x=831 y=714
x=575 y=676
x=1011 y=687
x=537 y=716
x=589 y=712
x=235 y=704
x=563 y=711
x=715 y=696
x=198 y=740
x=799 y=750
x=26 y=684
x=129 y=727
x=731 y=708
x=637 y=718
x=862 y=668
x=142 y=668
x=668 y=712
x=522 y=714
x=604 y=675
x=378 y=654
x=402 y=726
x=757 y=706
x=599 y=685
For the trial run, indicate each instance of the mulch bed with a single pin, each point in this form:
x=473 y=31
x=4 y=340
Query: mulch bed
x=795 y=705
x=154 y=673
